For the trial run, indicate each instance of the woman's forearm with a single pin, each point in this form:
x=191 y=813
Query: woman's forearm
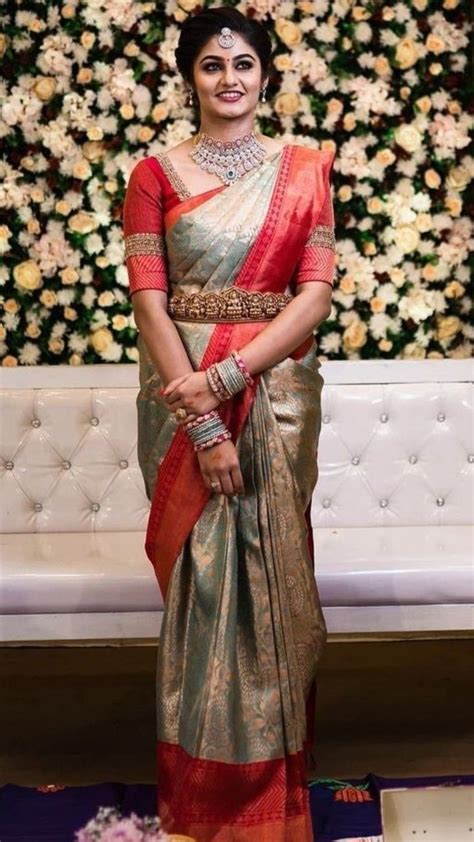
x=160 y=335
x=288 y=329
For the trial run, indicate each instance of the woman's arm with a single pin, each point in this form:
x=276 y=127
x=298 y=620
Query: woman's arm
x=159 y=334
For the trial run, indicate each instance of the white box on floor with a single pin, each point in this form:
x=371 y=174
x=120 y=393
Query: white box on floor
x=431 y=814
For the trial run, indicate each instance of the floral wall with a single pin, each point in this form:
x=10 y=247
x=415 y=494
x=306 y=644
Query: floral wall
x=88 y=88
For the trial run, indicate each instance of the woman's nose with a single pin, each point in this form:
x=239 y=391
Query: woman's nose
x=229 y=74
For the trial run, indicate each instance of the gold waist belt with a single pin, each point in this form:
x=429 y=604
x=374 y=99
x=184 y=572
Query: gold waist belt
x=232 y=305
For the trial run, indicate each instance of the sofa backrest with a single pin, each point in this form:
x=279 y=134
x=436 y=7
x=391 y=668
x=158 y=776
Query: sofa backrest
x=395 y=447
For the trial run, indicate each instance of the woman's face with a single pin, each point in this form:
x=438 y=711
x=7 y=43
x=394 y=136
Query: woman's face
x=218 y=70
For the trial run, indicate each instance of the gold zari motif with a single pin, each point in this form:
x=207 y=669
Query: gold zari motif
x=144 y=244
x=232 y=305
x=322 y=235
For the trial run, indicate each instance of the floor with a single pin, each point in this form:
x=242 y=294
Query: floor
x=86 y=715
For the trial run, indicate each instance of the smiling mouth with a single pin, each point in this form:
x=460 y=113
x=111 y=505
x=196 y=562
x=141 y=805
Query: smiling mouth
x=230 y=96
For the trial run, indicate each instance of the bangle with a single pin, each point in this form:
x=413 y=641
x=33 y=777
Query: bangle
x=207 y=430
x=216 y=384
x=229 y=376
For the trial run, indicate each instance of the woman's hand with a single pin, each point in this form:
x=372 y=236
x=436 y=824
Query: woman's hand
x=192 y=393
x=220 y=469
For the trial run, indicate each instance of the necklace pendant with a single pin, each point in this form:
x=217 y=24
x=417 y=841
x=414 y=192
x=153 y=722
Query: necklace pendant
x=229 y=160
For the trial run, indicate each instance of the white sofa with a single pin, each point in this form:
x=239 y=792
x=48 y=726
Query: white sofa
x=392 y=510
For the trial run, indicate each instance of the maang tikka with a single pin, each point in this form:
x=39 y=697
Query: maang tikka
x=226 y=38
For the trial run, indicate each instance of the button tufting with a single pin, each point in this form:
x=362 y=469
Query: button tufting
x=38 y=507
x=383 y=503
x=440 y=501
x=326 y=503
x=94 y=421
x=123 y=464
x=441 y=416
x=384 y=417
x=95 y=507
x=36 y=422
x=470 y=457
x=9 y=465
x=66 y=464
x=355 y=460
x=413 y=459
x=326 y=419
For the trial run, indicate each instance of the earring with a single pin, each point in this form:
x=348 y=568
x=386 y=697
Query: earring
x=264 y=90
x=190 y=97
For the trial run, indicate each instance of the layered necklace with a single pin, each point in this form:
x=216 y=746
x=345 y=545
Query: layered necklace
x=228 y=159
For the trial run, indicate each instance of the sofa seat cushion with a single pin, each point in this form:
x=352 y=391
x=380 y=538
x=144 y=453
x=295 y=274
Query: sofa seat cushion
x=99 y=572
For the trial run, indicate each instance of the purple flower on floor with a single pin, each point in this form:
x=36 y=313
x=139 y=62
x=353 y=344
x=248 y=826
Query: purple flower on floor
x=110 y=826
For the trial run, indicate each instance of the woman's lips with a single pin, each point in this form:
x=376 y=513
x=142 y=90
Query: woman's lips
x=230 y=97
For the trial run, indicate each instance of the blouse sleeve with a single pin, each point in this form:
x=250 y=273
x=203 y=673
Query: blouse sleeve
x=318 y=260
x=143 y=230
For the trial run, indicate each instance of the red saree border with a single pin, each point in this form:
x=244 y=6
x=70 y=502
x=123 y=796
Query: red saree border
x=267 y=793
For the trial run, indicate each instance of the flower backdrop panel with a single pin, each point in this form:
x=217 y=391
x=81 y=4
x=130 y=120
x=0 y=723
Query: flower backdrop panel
x=89 y=88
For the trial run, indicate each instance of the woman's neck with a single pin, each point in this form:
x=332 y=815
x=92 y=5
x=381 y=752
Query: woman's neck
x=227 y=130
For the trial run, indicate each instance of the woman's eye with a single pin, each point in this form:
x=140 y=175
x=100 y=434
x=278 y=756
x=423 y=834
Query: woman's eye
x=246 y=65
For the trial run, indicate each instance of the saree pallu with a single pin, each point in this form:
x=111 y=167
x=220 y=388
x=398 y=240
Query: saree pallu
x=243 y=630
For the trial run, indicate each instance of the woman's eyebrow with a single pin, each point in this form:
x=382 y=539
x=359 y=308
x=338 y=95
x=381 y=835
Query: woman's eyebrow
x=243 y=55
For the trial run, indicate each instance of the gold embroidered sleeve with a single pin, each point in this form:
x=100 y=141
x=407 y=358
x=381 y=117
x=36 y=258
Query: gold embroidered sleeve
x=143 y=230
x=318 y=261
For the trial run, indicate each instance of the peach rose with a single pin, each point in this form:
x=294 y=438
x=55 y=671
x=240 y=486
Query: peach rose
x=381 y=66
x=436 y=68
x=424 y=222
x=33 y=330
x=397 y=276
x=56 y=345
x=11 y=306
x=85 y=76
x=145 y=134
x=189 y=5
x=131 y=50
x=413 y=351
x=429 y=272
x=101 y=339
x=127 y=111
x=102 y=261
x=160 y=112
x=9 y=361
x=432 y=179
x=454 y=290
x=385 y=157
x=93 y=150
x=424 y=104
x=75 y=359
x=82 y=223
x=388 y=14
x=406 y=53
x=70 y=314
x=344 y=194
x=408 y=137
x=454 y=107
x=377 y=305
x=69 y=275
x=420 y=5
x=45 y=88
x=62 y=207
x=111 y=185
x=4 y=44
x=450 y=4
x=434 y=355
x=282 y=62
x=374 y=205
x=37 y=194
x=119 y=322
x=27 y=275
x=453 y=205
x=347 y=285
x=385 y=345
x=3 y=333
x=369 y=248
x=287 y=104
x=49 y=298
x=406 y=238
x=95 y=133
x=354 y=336
x=106 y=299
x=447 y=327
x=288 y=32
x=27 y=162
x=82 y=170
x=435 y=44
x=360 y=13
x=458 y=178
x=68 y=11
x=88 y=40
x=349 y=122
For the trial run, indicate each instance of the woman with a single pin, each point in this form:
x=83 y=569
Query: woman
x=230 y=248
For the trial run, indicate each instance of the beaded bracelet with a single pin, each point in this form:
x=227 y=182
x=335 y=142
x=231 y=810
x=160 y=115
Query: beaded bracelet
x=207 y=430
x=229 y=376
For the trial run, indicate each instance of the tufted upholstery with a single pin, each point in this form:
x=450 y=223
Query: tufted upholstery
x=392 y=510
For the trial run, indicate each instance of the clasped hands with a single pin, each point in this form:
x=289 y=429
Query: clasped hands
x=219 y=465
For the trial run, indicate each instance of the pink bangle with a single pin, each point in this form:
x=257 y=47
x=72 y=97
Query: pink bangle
x=212 y=442
x=246 y=373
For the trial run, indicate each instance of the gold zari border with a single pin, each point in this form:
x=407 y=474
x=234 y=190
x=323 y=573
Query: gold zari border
x=322 y=235
x=232 y=305
x=144 y=244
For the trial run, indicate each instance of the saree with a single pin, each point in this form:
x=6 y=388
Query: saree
x=243 y=630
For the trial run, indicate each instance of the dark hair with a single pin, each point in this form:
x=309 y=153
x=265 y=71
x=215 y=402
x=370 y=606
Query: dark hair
x=199 y=28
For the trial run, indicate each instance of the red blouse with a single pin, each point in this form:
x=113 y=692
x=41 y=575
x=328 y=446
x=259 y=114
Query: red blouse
x=152 y=192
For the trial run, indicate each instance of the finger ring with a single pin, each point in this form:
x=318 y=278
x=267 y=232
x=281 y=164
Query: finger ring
x=215 y=484
x=181 y=414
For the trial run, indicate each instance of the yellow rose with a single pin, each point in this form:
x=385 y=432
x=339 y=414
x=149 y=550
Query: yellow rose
x=458 y=178
x=408 y=137
x=81 y=169
x=360 y=13
x=406 y=53
x=349 y=122
x=3 y=333
x=344 y=194
x=27 y=275
x=102 y=261
x=385 y=157
x=131 y=50
x=354 y=336
x=27 y=162
x=388 y=14
x=119 y=322
x=453 y=205
x=287 y=104
x=101 y=339
x=56 y=345
x=424 y=104
x=189 y=5
x=347 y=285
x=454 y=290
x=95 y=133
x=75 y=359
x=397 y=277
x=335 y=106
x=127 y=111
x=374 y=205
x=9 y=361
x=11 y=306
x=385 y=345
x=424 y=222
x=85 y=76
x=420 y=5
x=406 y=238
x=413 y=351
x=4 y=44
x=432 y=179
x=429 y=272
x=447 y=327
x=288 y=32
x=435 y=44
x=377 y=305
x=160 y=112
x=70 y=314
x=106 y=299
x=436 y=68
x=454 y=107
x=48 y=298
x=111 y=185
x=45 y=88
x=145 y=134
x=93 y=150
x=33 y=330
x=68 y=11
x=369 y=248
x=69 y=275
x=62 y=207
x=381 y=66
x=82 y=223
x=88 y=40
x=282 y=62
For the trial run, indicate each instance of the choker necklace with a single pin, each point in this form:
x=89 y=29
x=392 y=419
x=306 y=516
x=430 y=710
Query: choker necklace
x=229 y=159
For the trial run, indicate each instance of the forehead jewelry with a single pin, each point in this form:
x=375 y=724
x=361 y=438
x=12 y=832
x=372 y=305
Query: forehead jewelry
x=226 y=39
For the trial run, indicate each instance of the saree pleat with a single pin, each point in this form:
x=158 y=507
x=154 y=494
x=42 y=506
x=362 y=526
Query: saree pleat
x=243 y=630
